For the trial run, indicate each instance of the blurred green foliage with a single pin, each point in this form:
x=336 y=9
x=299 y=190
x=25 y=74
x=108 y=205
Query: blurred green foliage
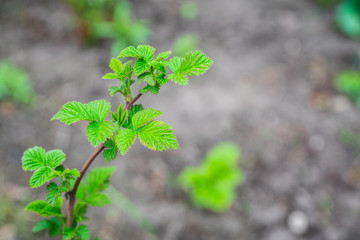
x=15 y=84
x=213 y=184
x=109 y=19
x=188 y=10
x=348 y=82
x=327 y=3
x=348 y=17
x=185 y=43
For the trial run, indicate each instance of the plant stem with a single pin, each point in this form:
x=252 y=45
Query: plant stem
x=98 y=150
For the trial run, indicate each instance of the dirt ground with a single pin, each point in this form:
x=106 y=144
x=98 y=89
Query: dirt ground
x=270 y=91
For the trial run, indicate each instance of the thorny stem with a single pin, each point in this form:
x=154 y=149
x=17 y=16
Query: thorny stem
x=98 y=150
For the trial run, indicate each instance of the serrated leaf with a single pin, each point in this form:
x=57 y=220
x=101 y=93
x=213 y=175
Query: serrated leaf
x=128 y=52
x=81 y=192
x=72 y=112
x=146 y=77
x=113 y=90
x=133 y=110
x=80 y=211
x=158 y=136
x=83 y=232
x=160 y=79
x=41 y=225
x=175 y=63
x=116 y=65
x=158 y=65
x=179 y=78
x=111 y=151
x=45 y=209
x=125 y=139
x=110 y=76
x=54 y=158
x=146 y=52
x=153 y=89
x=141 y=66
x=98 y=132
x=68 y=233
x=52 y=193
x=128 y=67
x=40 y=177
x=33 y=158
x=143 y=117
x=163 y=56
x=98 y=179
x=98 y=199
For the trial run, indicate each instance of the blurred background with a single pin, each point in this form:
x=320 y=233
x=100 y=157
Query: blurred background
x=284 y=87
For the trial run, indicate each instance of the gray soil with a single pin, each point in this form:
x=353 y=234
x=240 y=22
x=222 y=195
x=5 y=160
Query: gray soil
x=270 y=91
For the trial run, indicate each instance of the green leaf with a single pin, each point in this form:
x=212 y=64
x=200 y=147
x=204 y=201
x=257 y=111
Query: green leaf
x=159 y=65
x=98 y=132
x=116 y=65
x=128 y=52
x=81 y=192
x=133 y=110
x=45 y=209
x=98 y=179
x=113 y=90
x=146 y=77
x=163 y=56
x=143 y=117
x=158 y=136
x=40 y=177
x=125 y=139
x=194 y=63
x=33 y=158
x=128 y=68
x=54 y=158
x=83 y=232
x=141 y=66
x=99 y=109
x=80 y=211
x=153 y=89
x=146 y=52
x=111 y=151
x=41 y=225
x=68 y=233
x=98 y=199
x=348 y=17
x=110 y=76
x=52 y=193
x=160 y=79
x=72 y=112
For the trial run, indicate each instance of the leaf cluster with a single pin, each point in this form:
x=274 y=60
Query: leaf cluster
x=212 y=185
x=348 y=17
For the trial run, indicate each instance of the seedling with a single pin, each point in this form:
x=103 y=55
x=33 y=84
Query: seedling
x=213 y=184
x=108 y=136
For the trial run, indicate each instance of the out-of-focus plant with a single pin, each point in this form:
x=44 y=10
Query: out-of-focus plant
x=188 y=10
x=351 y=139
x=348 y=17
x=15 y=84
x=109 y=19
x=108 y=136
x=185 y=43
x=327 y=3
x=212 y=185
x=348 y=82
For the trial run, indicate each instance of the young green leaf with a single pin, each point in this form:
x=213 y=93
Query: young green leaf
x=33 y=158
x=110 y=76
x=146 y=52
x=111 y=150
x=161 y=80
x=125 y=139
x=54 y=158
x=153 y=89
x=98 y=179
x=52 y=193
x=98 y=199
x=72 y=112
x=41 y=225
x=133 y=110
x=98 y=132
x=194 y=63
x=83 y=232
x=158 y=136
x=68 y=233
x=146 y=77
x=163 y=56
x=113 y=90
x=128 y=52
x=45 y=209
x=53 y=224
x=116 y=65
x=141 y=66
x=40 y=177
x=143 y=117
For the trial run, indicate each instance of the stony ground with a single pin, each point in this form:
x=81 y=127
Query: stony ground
x=270 y=91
